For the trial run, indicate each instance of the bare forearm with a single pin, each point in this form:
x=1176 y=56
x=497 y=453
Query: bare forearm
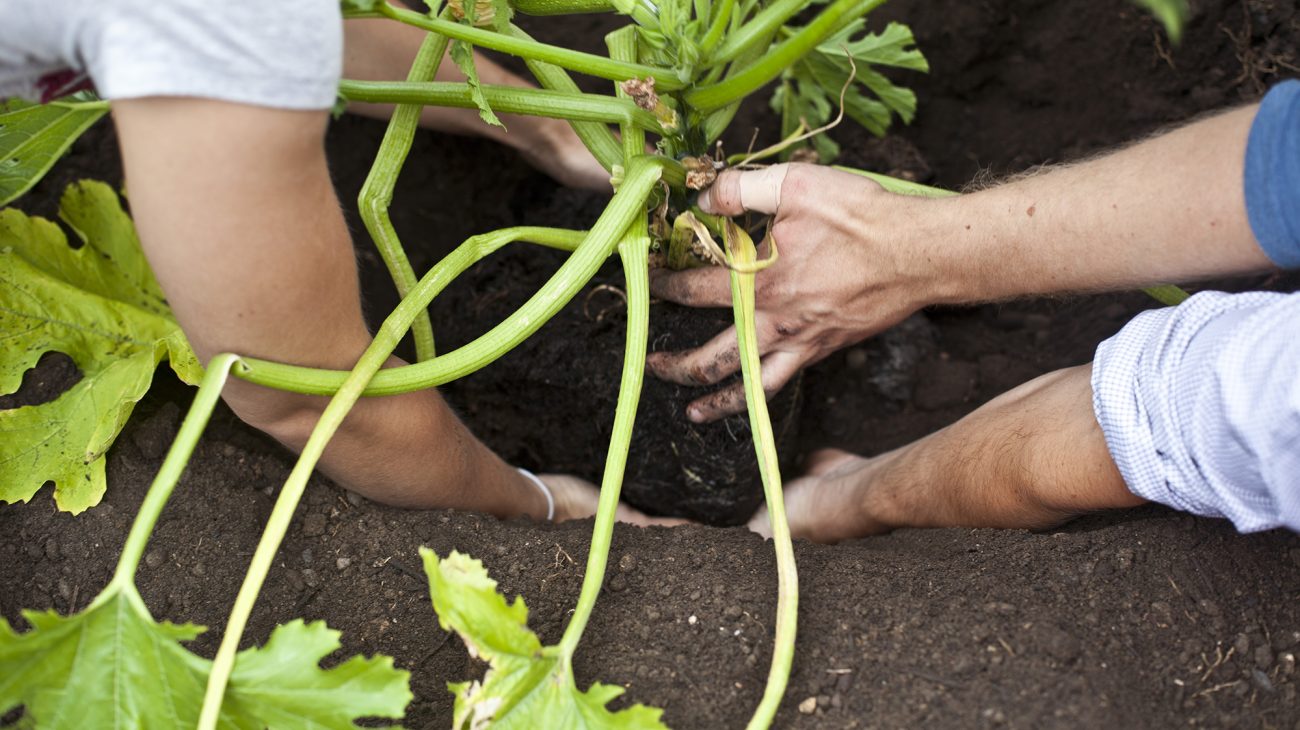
x=1032 y=457
x=1169 y=209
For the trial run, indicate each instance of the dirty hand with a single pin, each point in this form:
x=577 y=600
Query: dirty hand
x=840 y=278
x=577 y=498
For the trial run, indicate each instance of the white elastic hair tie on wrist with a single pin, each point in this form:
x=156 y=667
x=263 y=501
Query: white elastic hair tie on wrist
x=550 y=500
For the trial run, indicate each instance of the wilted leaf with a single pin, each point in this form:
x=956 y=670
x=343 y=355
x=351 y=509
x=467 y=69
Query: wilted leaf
x=526 y=687
x=101 y=306
x=114 y=664
x=34 y=136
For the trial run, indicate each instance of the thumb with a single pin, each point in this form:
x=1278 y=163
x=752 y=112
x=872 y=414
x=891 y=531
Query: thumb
x=736 y=191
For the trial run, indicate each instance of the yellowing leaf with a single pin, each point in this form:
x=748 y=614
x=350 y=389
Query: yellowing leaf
x=100 y=305
x=34 y=136
x=113 y=666
x=527 y=687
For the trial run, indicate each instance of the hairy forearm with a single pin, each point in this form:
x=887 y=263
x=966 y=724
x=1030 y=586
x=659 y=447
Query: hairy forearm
x=1169 y=209
x=1032 y=457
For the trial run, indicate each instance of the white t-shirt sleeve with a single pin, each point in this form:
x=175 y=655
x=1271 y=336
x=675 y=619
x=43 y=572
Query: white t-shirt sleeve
x=283 y=53
x=1200 y=406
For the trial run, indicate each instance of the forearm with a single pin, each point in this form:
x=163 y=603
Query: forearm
x=1169 y=209
x=1032 y=457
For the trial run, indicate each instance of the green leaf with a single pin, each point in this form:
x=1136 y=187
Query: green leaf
x=115 y=664
x=1172 y=14
x=526 y=686
x=463 y=55
x=34 y=136
x=100 y=305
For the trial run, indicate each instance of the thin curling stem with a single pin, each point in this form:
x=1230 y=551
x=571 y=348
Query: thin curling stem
x=635 y=251
x=627 y=204
x=377 y=193
x=214 y=378
x=742 y=255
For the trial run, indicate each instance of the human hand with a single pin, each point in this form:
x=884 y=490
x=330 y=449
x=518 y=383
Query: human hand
x=841 y=277
x=577 y=499
x=827 y=504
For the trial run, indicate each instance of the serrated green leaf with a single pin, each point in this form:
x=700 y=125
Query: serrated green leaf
x=526 y=687
x=894 y=46
x=101 y=306
x=463 y=55
x=34 y=136
x=114 y=665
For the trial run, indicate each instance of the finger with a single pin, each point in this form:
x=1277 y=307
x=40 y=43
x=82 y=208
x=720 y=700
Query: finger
x=704 y=287
x=777 y=368
x=760 y=523
x=736 y=191
x=704 y=365
x=636 y=517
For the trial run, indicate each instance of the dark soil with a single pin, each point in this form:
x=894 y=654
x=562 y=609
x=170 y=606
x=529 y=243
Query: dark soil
x=1142 y=619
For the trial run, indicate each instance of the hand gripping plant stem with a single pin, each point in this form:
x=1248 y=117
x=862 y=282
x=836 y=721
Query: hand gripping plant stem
x=626 y=205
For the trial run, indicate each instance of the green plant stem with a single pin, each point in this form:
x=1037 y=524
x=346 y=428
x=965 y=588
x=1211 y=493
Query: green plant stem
x=386 y=339
x=588 y=63
x=717 y=28
x=562 y=7
x=627 y=204
x=748 y=80
x=172 y=467
x=740 y=250
x=377 y=192
x=508 y=99
x=634 y=251
x=601 y=142
x=1166 y=294
x=757 y=32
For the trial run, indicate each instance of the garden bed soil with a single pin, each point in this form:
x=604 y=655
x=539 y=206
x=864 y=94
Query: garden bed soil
x=1146 y=618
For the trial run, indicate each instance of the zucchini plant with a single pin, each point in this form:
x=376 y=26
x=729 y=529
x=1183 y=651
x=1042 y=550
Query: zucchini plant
x=679 y=71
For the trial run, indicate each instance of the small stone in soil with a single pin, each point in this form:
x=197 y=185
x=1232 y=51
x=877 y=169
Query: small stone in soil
x=313 y=524
x=342 y=563
x=153 y=558
x=627 y=563
x=307 y=557
x=733 y=612
x=808 y=706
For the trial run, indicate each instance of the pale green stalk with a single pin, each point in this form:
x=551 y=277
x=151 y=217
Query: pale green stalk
x=588 y=63
x=169 y=474
x=740 y=251
x=626 y=206
x=717 y=28
x=386 y=339
x=635 y=252
x=562 y=7
x=596 y=136
x=748 y=80
x=506 y=99
x=1166 y=294
x=377 y=192
x=758 y=31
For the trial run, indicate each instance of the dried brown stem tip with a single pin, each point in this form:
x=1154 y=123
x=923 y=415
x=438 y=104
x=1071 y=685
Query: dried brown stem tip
x=484 y=11
x=642 y=92
x=700 y=171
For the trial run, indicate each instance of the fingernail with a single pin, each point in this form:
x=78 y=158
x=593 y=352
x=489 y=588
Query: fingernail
x=706 y=200
x=695 y=415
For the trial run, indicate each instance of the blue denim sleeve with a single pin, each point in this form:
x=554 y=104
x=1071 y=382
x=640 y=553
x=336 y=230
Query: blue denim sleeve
x=1273 y=175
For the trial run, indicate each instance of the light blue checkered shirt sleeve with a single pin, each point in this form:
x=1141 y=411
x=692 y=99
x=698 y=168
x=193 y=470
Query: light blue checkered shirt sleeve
x=1200 y=406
